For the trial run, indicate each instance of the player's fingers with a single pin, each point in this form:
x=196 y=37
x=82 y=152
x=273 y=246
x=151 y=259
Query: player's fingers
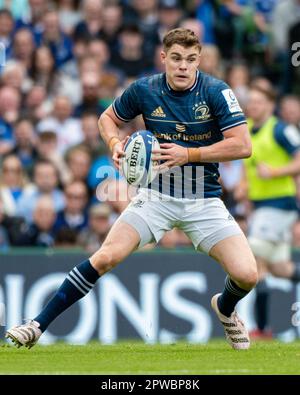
x=167 y=145
x=163 y=166
x=117 y=165
x=160 y=157
x=163 y=170
x=161 y=151
x=118 y=155
x=124 y=141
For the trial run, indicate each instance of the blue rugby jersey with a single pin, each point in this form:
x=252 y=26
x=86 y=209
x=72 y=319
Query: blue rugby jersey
x=195 y=117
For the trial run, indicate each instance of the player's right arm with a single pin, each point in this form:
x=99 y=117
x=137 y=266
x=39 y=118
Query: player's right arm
x=109 y=125
x=123 y=109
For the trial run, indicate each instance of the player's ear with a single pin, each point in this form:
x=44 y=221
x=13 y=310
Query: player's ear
x=163 y=56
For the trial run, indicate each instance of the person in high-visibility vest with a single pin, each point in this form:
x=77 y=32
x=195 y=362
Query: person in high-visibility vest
x=271 y=188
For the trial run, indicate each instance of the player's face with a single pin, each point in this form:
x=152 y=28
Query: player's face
x=181 y=66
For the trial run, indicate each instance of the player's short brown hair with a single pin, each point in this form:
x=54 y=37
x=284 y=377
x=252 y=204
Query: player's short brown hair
x=184 y=37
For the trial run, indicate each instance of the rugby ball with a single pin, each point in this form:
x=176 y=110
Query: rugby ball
x=137 y=165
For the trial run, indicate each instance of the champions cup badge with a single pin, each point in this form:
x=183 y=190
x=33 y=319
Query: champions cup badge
x=202 y=112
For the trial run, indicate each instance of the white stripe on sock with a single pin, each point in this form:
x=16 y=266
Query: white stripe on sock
x=77 y=279
x=82 y=278
x=76 y=285
x=233 y=290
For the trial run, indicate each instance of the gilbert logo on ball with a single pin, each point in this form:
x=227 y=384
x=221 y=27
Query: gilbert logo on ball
x=137 y=165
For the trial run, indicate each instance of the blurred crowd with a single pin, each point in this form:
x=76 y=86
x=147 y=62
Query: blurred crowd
x=62 y=63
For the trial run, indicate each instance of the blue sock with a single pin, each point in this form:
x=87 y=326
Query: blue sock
x=230 y=296
x=78 y=283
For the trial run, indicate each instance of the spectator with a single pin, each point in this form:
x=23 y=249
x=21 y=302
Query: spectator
x=17 y=8
x=58 y=42
x=14 y=75
x=238 y=78
x=92 y=140
x=195 y=25
x=99 y=224
x=169 y=15
x=79 y=159
x=6 y=29
x=144 y=14
x=33 y=19
x=40 y=232
x=91 y=25
x=285 y=15
x=13 y=184
x=11 y=229
x=69 y=15
x=130 y=57
x=45 y=182
x=10 y=101
x=67 y=128
x=25 y=143
x=90 y=94
x=74 y=215
x=43 y=221
x=23 y=47
x=66 y=238
x=43 y=70
x=211 y=61
x=48 y=149
x=37 y=105
x=289 y=110
x=111 y=24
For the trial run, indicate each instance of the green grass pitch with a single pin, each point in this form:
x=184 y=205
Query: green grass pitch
x=135 y=358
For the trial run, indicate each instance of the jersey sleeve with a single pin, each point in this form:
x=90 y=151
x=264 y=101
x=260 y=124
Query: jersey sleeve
x=225 y=106
x=288 y=137
x=127 y=106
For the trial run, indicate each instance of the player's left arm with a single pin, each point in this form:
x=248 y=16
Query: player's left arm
x=236 y=142
x=236 y=145
x=287 y=136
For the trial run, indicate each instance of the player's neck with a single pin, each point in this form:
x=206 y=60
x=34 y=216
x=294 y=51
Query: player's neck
x=176 y=89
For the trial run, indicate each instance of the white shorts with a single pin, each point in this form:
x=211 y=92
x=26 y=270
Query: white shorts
x=204 y=221
x=270 y=233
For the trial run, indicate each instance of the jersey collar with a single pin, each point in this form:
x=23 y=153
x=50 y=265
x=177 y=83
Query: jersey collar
x=190 y=89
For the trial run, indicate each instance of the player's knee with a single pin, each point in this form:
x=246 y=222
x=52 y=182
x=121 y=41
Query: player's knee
x=252 y=278
x=248 y=280
x=104 y=260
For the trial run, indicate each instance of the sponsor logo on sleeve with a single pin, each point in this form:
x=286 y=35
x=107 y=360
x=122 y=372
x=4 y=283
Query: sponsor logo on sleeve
x=231 y=100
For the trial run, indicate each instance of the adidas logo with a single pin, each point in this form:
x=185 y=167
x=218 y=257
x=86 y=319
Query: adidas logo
x=158 y=112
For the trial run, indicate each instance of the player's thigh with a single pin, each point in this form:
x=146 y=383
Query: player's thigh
x=237 y=259
x=206 y=222
x=150 y=216
x=120 y=242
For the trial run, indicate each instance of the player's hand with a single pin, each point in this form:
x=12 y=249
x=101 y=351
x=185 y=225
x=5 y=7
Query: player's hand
x=172 y=155
x=118 y=152
x=266 y=172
